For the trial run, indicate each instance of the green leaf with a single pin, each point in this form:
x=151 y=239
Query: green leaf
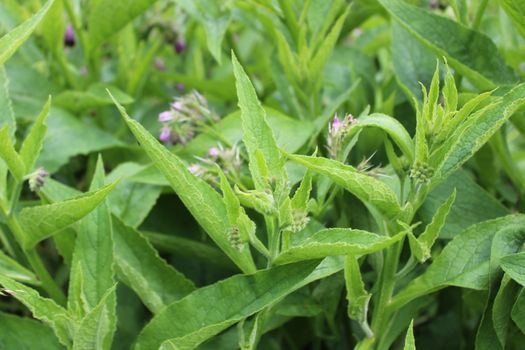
x=25 y=333
x=7 y=116
x=502 y=307
x=410 y=343
x=257 y=134
x=478 y=130
x=42 y=221
x=53 y=28
x=94 y=96
x=203 y=202
x=107 y=17
x=516 y=11
x=464 y=262
x=392 y=127
x=139 y=266
x=207 y=311
x=34 y=141
x=472 y=205
x=335 y=241
x=366 y=188
x=513 y=265
x=10 y=42
x=413 y=62
x=10 y=156
x=68 y=136
x=96 y=329
x=43 y=309
x=433 y=229
x=469 y=52
x=518 y=311
x=356 y=294
x=12 y=269
x=92 y=265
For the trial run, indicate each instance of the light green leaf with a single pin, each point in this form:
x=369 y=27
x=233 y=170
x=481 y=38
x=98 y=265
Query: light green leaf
x=139 y=266
x=410 y=343
x=204 y=203
x=10 y=42
x=7 y=116
x=108 y=17
x=96 y=329
x=10 y=156
x=471 y=53
x=335 y=241
x=516 y=10
x=92 y=265
x=209 y=310
x=513 y=265
x=53 y=27
x=42 y=221
x=366 y=188
x=257 y=134
x=23 y=333
x=34 y=141
x=478 y=130
x=12 y=269
x=43 y=309
x=392 y=127
x=464 y=262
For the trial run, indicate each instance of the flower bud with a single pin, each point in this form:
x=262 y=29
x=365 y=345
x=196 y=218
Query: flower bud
x=165 y=134
x=69 y=36
x=36 y=179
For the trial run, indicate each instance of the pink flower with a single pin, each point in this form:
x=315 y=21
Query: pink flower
x=214 y=152
x=179 y=46
x=177 y=105
x=194 y=168
x=165 y=116
x=165 y=134
x=335 y=126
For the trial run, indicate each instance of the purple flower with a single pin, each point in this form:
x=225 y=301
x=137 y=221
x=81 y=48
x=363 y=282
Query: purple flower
x=165 y=134
x=194 y=168
x=177 y=105
x=213 y=152
x=180 y=87
x=165 y=116
x=69 y=36
x=179 y=46
x=159 y=64
x=335 y=126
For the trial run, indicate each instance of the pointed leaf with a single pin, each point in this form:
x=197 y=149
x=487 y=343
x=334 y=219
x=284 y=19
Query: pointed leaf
x=12 y=269
x=203 y=202
x=10 y=42
x=364 y=187
x=34 y=141
x=410 y=343
x=42 y=221
x=335 y=241
x=10 y=156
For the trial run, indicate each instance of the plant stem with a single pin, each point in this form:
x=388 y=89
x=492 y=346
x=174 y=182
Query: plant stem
x=479 y=14
x=48 y=283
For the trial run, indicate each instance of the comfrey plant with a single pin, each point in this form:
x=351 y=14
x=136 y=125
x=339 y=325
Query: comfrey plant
x=342 y=205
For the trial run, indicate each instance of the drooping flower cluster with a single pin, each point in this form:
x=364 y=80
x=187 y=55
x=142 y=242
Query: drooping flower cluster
x=337 y=130
x=185 y=116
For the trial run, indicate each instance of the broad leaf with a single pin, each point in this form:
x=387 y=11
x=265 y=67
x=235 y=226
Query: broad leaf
x=12 y=269
x=335 y=241
x=471 y=53
x=42 y=221
x=366 y=188
x=513 y=265
x=26 y=333
x=43 y=309
x=209 y=310
x=201 y=199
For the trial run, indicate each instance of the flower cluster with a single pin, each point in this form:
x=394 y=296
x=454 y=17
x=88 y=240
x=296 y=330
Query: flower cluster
x=421 y=172
x=36 y=179
x=228 y=159
x=186 y=114
x=337 y=130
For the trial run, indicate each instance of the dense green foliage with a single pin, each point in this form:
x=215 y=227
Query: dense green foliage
x=270 y=174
